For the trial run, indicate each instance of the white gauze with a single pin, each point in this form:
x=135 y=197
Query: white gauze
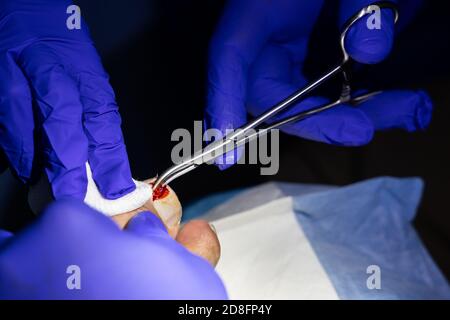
x=128 y=202
x=40 y=195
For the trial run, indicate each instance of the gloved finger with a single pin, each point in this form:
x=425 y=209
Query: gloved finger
x=272 y=80
x=410 y=110
x=4 y=236
x=233 y=48
x=107 y=152
x=72 y=214
x=16 y=118
x=59 y=114
x=342 y=126
x=228 y=158
x=370 y=39
x=172 y=258
x=147 y=224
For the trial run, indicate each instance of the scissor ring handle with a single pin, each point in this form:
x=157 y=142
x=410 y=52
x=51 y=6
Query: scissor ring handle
x=363 y=12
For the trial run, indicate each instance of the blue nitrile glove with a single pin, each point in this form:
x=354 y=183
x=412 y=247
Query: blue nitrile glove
x=53 y=89
x=256 y=60
x=69 y=240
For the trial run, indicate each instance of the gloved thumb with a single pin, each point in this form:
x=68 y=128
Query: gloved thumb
x=370 y=39
x=146 y=224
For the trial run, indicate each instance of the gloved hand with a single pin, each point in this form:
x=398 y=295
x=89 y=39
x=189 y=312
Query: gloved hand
x=256 y=59
x=56 y=102
x=142 y=262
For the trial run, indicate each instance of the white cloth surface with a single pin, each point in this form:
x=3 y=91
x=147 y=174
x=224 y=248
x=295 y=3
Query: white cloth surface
x=266 y=255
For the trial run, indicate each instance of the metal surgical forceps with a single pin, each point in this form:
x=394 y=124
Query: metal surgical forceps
x=241 y=136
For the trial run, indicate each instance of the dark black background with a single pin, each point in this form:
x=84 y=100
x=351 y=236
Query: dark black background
x=156 y=51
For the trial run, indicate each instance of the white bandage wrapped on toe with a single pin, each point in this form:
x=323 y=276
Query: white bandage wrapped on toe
x=40 y=195
x=128 y=202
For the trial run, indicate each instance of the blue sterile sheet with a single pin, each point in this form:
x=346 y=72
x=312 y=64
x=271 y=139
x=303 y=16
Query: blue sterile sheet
x=353 y=227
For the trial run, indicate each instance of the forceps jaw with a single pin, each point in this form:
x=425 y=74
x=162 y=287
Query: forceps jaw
x=209 y=153
x=172 y=173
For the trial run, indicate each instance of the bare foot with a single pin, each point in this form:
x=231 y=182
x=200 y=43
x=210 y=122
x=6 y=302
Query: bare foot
x=197 y=235
x=167 y=208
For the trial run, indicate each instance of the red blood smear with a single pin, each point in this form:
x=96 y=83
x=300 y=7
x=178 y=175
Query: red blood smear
x=160 y=192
